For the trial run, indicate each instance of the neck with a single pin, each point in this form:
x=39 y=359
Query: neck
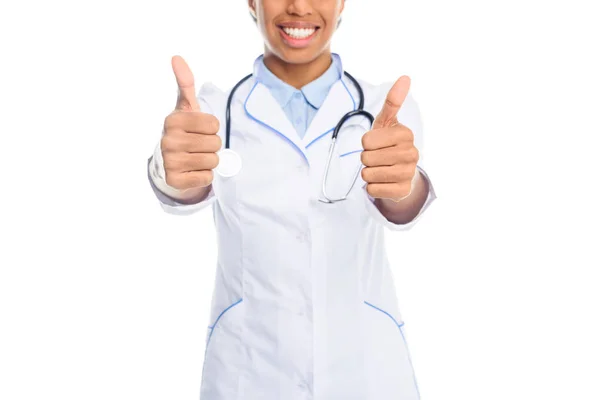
x=297 y=75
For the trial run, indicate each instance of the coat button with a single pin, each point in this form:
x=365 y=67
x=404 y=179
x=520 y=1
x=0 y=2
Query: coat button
x=303 y=385
x=302 y=237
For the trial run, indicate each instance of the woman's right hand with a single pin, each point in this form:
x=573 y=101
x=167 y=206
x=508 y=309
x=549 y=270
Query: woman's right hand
x=190 y=143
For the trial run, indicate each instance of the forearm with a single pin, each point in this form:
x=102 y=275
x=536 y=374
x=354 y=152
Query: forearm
x=405 y=210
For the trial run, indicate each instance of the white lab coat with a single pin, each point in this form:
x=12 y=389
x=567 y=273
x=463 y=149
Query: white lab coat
x=304 y=304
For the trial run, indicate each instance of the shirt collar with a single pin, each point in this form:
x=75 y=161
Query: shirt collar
x=315 y=92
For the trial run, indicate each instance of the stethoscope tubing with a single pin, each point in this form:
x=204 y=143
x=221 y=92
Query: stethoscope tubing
x=349 y=115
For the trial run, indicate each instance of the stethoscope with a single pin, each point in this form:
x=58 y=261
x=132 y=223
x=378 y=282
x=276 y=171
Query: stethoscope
x=230 y=162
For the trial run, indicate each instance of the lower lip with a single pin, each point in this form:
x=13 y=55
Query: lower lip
x=297 y=43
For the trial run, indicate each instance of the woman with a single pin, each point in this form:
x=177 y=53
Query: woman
x=304 y=304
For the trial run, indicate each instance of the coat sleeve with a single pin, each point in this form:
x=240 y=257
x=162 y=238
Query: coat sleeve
x=410 y=116
x=208 y=94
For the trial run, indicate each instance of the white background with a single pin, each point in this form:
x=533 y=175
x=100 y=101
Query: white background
x=105 y=296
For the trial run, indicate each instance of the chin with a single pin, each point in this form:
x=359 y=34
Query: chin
x=297 y=56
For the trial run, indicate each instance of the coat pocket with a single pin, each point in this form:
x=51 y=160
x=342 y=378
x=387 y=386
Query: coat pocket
x=222 y=355
x=390 y=373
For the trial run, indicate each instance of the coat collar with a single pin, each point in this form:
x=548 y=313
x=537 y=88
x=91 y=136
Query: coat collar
x=315 y=92
x=263 y=107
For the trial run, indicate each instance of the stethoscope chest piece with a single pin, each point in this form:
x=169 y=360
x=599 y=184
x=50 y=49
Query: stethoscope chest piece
x=230 y=163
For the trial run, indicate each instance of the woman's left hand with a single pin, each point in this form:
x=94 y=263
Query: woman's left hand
x=390 y=156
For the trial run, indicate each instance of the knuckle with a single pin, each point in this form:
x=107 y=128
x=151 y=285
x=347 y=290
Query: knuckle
x=209 y=124
x=172 y=121
x=171 y=143
x=398 y=134
x=394 y=154
x=364 y=158
x=212 y=143
x=215 y=124
x=366 y=140
x=209 y=177
x=204 y=178
x=370 y=190
x=172 y=162
x=210 y=161
x=406 y=134
x=364 y=173
x=218 y=142
x=197 y=162
x=415 y=153
x=165 y=144
x=174 y=180
x=215 y=161
x=410 y=155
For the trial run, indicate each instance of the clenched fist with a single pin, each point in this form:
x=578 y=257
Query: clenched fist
x=190 y=142
x=390 y=156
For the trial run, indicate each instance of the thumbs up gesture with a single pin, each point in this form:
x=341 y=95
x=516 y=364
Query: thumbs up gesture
x=390 y=156
x=190 y=142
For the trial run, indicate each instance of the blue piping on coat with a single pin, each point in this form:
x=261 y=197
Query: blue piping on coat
x=331 y=130
x=266 y=125
x=281 y=134
x=403 y=339
x=212 y=329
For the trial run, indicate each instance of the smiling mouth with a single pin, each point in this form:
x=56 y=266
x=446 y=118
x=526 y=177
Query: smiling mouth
x=299 y=32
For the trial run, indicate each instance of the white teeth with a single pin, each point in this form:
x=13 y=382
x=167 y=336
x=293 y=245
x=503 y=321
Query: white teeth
x=297 y=33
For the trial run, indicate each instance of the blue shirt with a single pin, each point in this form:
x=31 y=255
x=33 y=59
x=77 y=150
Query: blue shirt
x=300 y=106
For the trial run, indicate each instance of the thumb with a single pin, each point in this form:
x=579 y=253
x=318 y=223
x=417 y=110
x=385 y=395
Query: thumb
x=394 y=100
x=186 y=100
